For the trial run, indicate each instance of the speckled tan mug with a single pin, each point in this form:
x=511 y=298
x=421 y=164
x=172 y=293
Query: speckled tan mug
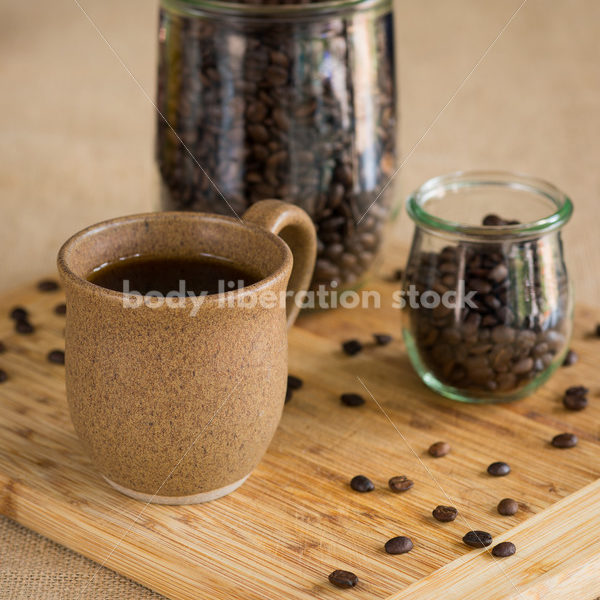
x=174 y=408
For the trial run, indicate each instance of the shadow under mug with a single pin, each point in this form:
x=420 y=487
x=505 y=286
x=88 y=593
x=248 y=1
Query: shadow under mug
x=173 y=405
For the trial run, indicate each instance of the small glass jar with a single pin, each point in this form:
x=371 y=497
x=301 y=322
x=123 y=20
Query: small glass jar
x=487 y=300
x=295 y=101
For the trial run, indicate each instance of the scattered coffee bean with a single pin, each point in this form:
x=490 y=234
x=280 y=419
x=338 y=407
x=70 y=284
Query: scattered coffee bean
x=2 y=348
x=294 y=383
x=360 y=483
x=577 y=390
x=47 y=285
x=400 y=483
x=575 y=397
x=575 y=402
x=343 y=579
x=60 y=309
x=570 y=358
x=399 y=545
x=439 y=449
x=352 y=399
x=56 y=356
x=504 y=549
x=352 y=347
x=445 y=514
x=23 y=326
x=564 y=440
x=382 y=339
x=3 y=376
x=18 y=313
x=477 y=539
x=508 y=507
x=498 y=469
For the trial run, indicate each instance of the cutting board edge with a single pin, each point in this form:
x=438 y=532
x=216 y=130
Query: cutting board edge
x=463 y=578
x=112 y=549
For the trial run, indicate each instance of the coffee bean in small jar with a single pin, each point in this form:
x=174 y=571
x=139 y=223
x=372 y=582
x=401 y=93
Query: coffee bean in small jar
x=486 y=297
x=293 y=100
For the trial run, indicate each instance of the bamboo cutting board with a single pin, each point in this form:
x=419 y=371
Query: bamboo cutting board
x=296 y=518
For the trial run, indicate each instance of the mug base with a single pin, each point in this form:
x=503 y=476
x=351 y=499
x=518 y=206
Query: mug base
x=178 y=500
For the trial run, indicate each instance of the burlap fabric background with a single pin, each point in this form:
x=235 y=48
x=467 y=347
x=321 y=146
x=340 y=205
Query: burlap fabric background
x=34 y=568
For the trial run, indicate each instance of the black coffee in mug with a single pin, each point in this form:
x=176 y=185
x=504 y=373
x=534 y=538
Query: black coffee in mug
x=202 y=274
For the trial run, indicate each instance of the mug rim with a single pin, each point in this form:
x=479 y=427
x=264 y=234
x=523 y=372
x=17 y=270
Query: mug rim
x=262 y=284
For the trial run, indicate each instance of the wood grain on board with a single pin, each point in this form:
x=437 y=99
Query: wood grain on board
x=296 y=519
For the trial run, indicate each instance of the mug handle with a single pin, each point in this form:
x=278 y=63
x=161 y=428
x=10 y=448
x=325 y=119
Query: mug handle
x=297 y=230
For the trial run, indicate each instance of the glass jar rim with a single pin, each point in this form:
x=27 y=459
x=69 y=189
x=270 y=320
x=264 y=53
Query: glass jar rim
x=271 y=11
x=415 y=204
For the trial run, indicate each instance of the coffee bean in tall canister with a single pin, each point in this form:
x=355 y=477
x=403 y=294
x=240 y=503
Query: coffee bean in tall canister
x=258 y=109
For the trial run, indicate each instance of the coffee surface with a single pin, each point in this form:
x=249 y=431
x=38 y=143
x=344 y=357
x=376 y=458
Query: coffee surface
x=202 y=274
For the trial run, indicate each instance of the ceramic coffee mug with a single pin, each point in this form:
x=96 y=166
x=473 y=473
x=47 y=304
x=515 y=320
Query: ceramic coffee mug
x=175 y=407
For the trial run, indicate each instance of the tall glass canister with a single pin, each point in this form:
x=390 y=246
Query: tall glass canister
x=289 y=101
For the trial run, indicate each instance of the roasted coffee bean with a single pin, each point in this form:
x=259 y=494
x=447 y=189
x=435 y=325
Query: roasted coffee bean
x=400 y=483
x=480 y=286
x=493 y=221
x=352 y=347
x=577 y=390
x=352 y=399
x=2 y=347
x=575 y=403
x=523 y=366
x=3 y=376
x=56 y=357
x=360 y=483
x=508 y=506
x=18 y=313
x=504 y=549
x=477 y=539
x=382 y=339
x=445 y=514
x=498 y=469
x=502 y=334
x=575 y=398
x=294 y=383
x=399 y=545
x=47 y=285
x=24 y=327
x=564 y=440
x=570 y=358
x=499 y=273
x=343 y=579
x=439 y=449
x=60 y=309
